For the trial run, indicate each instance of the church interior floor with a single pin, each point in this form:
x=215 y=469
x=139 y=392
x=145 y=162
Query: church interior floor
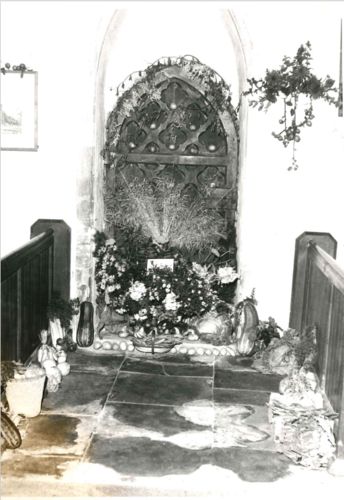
x=158 y=426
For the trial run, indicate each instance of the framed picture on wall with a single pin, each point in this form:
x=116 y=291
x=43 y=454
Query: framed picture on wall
x=19 y=111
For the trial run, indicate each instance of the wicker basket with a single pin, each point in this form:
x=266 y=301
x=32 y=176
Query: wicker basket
x=25 y=395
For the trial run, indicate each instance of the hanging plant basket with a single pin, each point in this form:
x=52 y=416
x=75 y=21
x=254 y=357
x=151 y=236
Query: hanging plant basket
x=295 y=88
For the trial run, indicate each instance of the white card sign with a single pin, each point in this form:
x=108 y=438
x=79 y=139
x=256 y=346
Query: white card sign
x=160 y=263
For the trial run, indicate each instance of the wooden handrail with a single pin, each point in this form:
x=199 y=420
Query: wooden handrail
x=13 y=261
x=327 y=265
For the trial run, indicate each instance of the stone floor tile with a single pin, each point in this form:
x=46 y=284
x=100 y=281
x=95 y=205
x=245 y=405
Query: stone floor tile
x=87 y=360
x=79 y=394
x=234 y=364
x=171 y=358
x=246 y=380
x=52 y=434
x=235 y=396
x=157 y=389
x=141 y=365
x=124 y=419
x=188 y=370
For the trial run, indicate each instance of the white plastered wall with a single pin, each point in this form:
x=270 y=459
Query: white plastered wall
x=63 y=42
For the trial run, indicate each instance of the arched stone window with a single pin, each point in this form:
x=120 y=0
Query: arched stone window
x=177 y=121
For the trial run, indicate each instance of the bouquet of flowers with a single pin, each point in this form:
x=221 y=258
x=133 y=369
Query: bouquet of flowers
x=129 y=288
x=159 y=299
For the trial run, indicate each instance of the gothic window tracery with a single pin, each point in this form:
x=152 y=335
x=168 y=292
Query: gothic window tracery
x=176 y=132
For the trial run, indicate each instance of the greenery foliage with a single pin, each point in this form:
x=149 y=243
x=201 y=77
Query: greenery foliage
x=59 y=308
x=267 y=330
x=164 y=212
x=287 y=85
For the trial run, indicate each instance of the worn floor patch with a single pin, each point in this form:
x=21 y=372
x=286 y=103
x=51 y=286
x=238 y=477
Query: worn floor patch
x=56 y=434
x=190 y=370
x=22 y=465
x=144 y=457
x=252 y=465
x=229 y=423
x=85 y=360
x=243 y=397
x=234 y=364
x=226 y=379
x=162 y=420
x=137 y=365
x=80 y=393
x=159 y=367
x=157 y=389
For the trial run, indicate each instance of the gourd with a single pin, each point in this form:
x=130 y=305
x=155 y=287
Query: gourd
x=247 y=324
x=85 y=331
x=64 y=368
x=10 y=432
x=54 y=372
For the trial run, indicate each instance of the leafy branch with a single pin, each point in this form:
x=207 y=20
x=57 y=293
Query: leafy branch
x=293 y=80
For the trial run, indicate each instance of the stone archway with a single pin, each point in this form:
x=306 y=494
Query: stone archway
x=93 y=175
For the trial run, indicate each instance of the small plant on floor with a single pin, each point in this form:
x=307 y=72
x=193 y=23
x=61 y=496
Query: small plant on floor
x=267 y=330
x=59 y=308
x=63 y=310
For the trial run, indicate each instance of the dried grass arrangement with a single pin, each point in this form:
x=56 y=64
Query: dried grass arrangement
x=165 y=212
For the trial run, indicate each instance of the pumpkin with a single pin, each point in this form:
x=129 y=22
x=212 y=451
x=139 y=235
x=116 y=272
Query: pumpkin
x=85 y=331
x=10 y=432
x=246 y=331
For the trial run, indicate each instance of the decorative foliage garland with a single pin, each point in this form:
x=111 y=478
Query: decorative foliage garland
x=293 y=80
x=143 y=86
x=21 y=68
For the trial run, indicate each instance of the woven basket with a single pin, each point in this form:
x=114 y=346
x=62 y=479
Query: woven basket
x=25 y=395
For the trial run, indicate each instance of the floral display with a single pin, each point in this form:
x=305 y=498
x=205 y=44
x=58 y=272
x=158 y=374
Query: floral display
x=159 y=294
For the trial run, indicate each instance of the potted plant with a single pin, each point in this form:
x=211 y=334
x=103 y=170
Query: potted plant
x=295 y=88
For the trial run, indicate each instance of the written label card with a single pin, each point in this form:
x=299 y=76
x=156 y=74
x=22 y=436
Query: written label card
x=160 y=263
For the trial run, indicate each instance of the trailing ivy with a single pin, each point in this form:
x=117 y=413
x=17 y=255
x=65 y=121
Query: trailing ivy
x=286 y=85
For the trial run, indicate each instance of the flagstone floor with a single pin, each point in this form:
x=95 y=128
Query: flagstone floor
x=155 y=426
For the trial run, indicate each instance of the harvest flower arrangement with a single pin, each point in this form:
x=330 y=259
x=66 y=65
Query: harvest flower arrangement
x=158 y=295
